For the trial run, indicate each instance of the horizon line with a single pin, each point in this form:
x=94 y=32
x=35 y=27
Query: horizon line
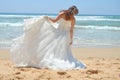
x=21 y=13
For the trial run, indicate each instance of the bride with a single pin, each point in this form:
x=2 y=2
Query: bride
x=46 y=42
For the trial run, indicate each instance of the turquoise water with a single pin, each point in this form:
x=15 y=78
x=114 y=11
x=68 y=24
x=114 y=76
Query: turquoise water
x=90 y=30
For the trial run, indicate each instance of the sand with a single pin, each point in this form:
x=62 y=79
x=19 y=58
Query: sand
x=102 y=64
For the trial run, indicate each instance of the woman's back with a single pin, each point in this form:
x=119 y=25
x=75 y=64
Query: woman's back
x=64 y=25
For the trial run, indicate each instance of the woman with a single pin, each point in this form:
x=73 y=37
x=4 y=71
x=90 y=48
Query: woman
x=44 y=46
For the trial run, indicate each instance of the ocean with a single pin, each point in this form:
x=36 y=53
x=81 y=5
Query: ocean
x=89 y=31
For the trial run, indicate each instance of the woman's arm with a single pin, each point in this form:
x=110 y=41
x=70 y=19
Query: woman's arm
x=57 y=18
x=71 y=30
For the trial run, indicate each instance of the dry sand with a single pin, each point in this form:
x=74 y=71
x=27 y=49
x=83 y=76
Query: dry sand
x=102 y=64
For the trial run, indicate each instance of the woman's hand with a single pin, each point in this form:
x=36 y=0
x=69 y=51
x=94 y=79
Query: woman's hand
x=46 y=17
x=71 y=43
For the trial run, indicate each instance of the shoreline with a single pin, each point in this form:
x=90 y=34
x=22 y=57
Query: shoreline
x=80 y=52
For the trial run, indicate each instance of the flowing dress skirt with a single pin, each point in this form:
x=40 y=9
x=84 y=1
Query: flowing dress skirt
x=43 y=46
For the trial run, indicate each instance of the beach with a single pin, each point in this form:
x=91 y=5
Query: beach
x=96 y=42
x=102 y=64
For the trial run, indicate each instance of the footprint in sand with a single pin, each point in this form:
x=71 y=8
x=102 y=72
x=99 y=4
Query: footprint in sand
x=118 y=59
x=23 y=69
x=116 y=63
x=17 y=73
x=92 y=72
x=19 y=78
x=69 y=76
x=61 y=73
x=119 y=68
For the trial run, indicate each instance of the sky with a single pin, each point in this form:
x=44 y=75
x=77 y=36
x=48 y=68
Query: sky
x=104 y=7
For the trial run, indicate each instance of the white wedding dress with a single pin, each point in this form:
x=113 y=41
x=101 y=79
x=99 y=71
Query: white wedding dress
x=45 y=44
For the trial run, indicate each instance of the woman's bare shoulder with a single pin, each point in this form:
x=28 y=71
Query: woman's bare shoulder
x=61 y=12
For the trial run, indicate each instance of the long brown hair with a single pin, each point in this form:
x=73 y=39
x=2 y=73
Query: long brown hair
x=70 y=12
